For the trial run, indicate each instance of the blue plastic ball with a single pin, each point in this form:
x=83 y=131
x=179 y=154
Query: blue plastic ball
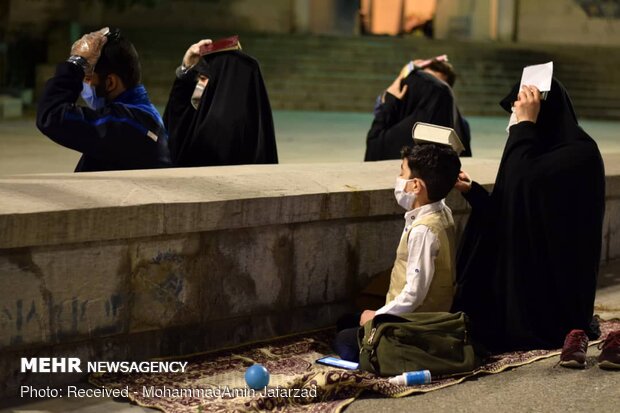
x=257 y=377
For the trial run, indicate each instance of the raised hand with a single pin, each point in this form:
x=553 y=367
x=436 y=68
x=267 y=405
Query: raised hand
x=89 y=47
x=192 y=55
x=527 y=105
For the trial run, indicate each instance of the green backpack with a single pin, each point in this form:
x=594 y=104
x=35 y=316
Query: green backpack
x=391 y=345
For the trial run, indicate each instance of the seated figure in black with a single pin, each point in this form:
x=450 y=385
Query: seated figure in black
x=528 y=260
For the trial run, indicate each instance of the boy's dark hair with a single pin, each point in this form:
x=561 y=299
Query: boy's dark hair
x=120 y=57
x=445 y=68
x=437 y=165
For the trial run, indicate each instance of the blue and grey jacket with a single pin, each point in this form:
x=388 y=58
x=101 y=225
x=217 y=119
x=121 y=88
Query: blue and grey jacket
x=128 y=133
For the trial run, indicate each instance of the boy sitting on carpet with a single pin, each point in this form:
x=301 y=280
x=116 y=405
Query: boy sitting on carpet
x=423 y=274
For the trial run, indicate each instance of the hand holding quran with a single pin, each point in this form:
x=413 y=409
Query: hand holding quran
x=208 y=46
x=221 y=45
x=192 y=55
x=421 y=64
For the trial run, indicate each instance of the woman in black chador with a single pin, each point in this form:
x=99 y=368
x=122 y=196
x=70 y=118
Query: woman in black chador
x=419 y=97
x=218 y=112
x=529 y=257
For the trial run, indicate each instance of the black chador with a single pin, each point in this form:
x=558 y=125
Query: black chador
x=429 y=100
x=528 y=261
x=232 y=124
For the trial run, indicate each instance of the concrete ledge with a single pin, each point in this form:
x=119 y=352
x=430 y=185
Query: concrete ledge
x=109 y=266
x=57 y=209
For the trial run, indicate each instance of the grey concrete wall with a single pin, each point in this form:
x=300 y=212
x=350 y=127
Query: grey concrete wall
x=223 y=15
x=129 y=265
x=469 y=20
x=563 y=21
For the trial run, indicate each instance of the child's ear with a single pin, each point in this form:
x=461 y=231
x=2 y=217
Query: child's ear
x=417 y=185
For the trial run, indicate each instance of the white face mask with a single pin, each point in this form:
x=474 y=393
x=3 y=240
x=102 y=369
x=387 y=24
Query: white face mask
x=512 y=121
x=197 y=95
x=90 y=97
x=404 y=199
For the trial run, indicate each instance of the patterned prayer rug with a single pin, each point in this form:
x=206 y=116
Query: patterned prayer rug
x=214 y=382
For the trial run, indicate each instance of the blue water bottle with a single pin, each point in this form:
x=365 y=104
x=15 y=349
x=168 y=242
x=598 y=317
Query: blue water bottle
x=412 y=378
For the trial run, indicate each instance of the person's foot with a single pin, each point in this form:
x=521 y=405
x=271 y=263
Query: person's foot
x=610 y=356
x=574 y=350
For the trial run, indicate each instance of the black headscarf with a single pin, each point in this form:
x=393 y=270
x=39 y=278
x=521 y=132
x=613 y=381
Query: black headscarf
x=233 y=123
x=429 y=100
x=528 y=260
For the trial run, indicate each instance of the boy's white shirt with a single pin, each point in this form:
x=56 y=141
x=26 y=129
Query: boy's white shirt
x=423 y=246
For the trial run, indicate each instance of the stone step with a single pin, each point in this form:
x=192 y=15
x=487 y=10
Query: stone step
x=347 y=73
x=337 y=77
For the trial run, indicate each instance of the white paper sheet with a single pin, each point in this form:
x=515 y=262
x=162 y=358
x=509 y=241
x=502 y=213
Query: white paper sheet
x=538 y=75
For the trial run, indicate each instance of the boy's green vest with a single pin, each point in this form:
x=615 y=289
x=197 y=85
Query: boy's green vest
x=441 y=292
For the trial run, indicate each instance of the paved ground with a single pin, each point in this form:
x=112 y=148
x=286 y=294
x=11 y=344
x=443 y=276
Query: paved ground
x=302 y=137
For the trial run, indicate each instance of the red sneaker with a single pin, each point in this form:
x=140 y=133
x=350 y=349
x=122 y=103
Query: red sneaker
x=610 y=356
x=574 y=350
